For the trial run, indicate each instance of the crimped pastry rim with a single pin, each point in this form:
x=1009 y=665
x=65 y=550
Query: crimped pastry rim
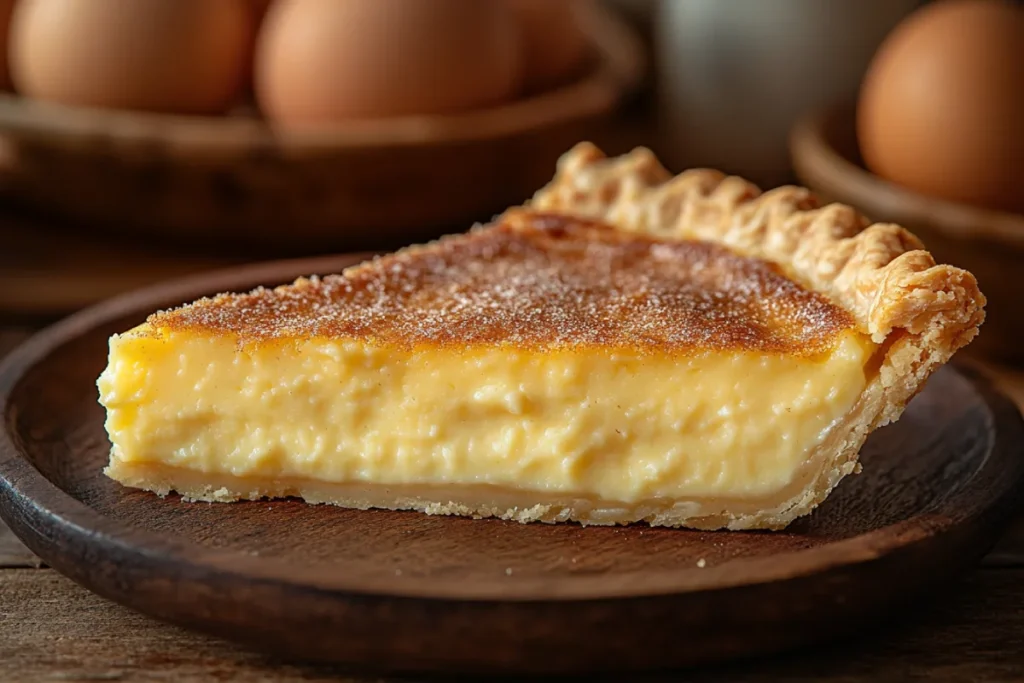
x=878 y=272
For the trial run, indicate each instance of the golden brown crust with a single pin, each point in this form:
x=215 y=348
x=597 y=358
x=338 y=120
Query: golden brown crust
x=540 y=281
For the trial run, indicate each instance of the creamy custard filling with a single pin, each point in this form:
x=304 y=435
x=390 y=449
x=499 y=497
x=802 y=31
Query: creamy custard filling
x=588 y=423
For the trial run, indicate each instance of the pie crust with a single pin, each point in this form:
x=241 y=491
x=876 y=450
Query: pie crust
x=889 y=289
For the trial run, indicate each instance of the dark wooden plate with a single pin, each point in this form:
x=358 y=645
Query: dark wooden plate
x=405 y=591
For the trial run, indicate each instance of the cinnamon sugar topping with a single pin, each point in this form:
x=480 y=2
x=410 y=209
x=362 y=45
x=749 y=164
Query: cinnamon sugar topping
x=549 y=281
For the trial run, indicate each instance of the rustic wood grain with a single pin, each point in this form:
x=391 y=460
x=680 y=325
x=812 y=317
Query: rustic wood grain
x=51 y=629
x=974 y=632
x=13 y=553
x=405 y=590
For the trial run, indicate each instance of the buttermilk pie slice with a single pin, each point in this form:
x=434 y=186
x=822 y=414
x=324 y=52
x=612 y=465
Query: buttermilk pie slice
x=627 y=347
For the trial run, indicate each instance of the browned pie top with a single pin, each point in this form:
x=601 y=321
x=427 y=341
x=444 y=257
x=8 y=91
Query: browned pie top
x=543 y=281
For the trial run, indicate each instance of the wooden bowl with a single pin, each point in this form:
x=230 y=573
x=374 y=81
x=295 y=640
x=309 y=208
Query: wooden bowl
x=988 y=243
x=237 y=181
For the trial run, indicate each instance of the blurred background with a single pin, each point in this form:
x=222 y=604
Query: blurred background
x=147 y=139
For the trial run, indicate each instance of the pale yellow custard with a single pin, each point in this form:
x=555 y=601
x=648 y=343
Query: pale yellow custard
x=617 y=429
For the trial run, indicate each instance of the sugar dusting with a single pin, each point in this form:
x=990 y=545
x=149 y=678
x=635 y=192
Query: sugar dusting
x=553 y=282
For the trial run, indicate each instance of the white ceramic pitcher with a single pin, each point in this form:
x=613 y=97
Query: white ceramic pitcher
x=734 y=75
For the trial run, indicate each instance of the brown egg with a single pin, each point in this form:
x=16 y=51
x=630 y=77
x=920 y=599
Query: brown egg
x=6 y=8
x=942 y=108
x=185 y=56
x=324 y=60
x=555 y=45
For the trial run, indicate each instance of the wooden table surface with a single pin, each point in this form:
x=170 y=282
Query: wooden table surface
x=53 y=630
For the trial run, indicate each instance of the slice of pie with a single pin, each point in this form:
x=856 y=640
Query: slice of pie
x=627 y=347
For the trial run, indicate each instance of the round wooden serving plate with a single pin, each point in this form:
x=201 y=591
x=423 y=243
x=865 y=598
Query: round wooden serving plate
x=236 y=180
x=410 y=592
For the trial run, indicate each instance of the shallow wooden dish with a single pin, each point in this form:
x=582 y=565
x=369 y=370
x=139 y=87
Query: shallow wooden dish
x=410 y=592
x=236 y=182
x=990 y=244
